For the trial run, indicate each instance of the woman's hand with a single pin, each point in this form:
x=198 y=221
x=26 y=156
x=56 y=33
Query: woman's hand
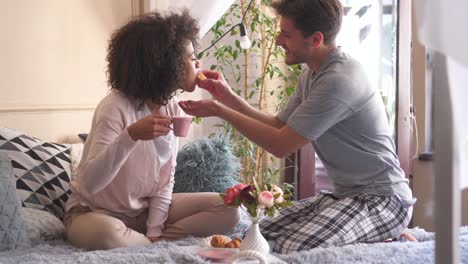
x=217 y=86
x=149 y=127
x=202 y=108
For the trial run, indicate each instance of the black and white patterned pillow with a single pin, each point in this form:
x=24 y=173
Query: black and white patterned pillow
x=42 y=170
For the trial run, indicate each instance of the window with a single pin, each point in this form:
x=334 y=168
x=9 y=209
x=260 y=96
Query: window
x=369 y=35
x=378 y=34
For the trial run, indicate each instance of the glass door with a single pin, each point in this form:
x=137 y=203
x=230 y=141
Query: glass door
x=377 y=33
x=369 y=34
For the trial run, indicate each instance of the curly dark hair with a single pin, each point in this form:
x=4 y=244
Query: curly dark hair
x=310 y=16
x=146 y=58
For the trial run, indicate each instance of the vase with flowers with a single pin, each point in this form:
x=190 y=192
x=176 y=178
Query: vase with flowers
x=258 y=201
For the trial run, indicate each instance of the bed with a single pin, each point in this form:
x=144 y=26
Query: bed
x=37 y=216
x=59 y=251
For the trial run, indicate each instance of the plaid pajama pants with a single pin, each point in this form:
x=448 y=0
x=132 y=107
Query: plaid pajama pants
x=325 y=220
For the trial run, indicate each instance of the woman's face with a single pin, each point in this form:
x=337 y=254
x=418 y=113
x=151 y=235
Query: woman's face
x=191 y=66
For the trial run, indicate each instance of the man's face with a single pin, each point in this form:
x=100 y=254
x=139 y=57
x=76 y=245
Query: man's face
x=297 y=47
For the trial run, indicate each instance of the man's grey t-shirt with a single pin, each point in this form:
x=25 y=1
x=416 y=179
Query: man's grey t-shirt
x=344 y=117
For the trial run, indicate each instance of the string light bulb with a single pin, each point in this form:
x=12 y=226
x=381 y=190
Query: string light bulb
x=245 y=42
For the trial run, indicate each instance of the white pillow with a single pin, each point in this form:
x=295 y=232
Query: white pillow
x=76 y=151
x=42 y=225
x=12 y=225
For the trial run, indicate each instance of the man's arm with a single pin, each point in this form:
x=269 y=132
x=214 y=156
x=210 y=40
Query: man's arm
x=241 y=106
x=217 y=86
x=278 y=140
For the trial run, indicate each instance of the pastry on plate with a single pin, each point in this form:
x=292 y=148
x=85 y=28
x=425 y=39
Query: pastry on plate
x=235 y=243
x=219 y=241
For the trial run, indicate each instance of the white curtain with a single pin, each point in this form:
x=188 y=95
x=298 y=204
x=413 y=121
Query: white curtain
x=206 y=11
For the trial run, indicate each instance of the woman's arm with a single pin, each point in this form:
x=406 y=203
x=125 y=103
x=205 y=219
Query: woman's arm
x=111 y=143
x=109 y=148
x=158 y=210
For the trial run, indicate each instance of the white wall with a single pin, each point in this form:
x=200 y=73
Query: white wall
x=52 y=69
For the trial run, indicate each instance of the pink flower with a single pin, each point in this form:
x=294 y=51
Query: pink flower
x=265 y=200
x=245 y=194
x=231 y=195
x=239 y=186
x=277 y=191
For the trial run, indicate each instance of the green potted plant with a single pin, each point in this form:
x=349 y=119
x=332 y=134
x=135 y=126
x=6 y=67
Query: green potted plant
x=258 y=74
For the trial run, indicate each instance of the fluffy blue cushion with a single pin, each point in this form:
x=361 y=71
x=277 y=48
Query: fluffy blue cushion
x=206 y=165
x=12 y=224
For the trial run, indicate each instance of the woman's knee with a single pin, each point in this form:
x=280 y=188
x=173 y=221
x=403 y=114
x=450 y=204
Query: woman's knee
x=113 y=235
x=102 y=232
x=233 y=216
x=226 y=217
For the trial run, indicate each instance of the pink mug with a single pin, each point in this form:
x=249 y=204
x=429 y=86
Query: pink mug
x=181 y=125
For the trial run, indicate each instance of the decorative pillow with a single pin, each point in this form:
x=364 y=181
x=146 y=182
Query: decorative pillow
x=12 y=225
x=42 y=225
x=206 y=165
x=83 y=136
x=42 y=170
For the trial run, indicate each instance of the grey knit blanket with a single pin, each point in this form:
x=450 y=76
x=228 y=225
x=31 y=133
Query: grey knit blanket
x=164 y=252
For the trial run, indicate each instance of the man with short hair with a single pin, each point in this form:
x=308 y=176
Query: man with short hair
x=335 y=108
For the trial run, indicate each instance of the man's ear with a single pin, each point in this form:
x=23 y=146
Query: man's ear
x=316 y=39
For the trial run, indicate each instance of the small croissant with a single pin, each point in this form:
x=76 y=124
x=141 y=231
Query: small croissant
x=233 y=243
x=219 y=241
x=201 y=76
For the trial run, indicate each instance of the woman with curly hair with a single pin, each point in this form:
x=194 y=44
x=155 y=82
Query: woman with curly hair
x=122 y=193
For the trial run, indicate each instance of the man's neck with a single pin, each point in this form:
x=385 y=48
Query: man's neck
x=321 y=54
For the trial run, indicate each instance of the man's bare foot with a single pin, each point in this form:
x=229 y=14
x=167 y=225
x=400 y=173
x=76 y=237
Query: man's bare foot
x=408 y=237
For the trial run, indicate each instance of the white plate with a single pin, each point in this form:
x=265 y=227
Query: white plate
x=218 y=254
